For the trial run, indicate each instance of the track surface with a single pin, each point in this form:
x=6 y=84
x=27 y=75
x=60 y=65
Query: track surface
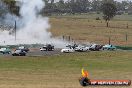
x=37 y=52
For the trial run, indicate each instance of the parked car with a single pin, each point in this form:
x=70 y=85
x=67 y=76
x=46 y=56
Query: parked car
x=109 y=47
x=47 y=47
x=19 y=52
x=95 y=47
x=23 y=48
x=81 y=48
x=68 y=50
x=5 y=50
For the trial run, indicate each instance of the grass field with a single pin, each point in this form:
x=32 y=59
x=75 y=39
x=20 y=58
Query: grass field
x=63 y=71
x=86 y=28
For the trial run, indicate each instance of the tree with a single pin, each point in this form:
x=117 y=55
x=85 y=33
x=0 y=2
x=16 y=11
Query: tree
x=119 y=6
x=61 y=8
x=95 y=4
x=3 y=9
x=49 y=7
x=79 y=6
x=109 y=10
x=83 y=5
x=130 y=8
x=12 y=6
x=125 y=5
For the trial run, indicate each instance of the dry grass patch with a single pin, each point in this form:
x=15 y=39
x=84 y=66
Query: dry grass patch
x=92 y=30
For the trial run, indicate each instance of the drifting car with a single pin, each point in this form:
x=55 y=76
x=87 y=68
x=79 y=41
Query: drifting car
x=19 y=52
x=68 y=50
x=23 y=48
x=5 y=51
x=95 y=47
x=109 y=47
x=47 y=47
x=81 y=48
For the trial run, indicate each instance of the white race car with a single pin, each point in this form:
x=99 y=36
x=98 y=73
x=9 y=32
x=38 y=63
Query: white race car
x=68 y=50
x=81 y=48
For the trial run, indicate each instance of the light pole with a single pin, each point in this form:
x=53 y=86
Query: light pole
x=15 y=30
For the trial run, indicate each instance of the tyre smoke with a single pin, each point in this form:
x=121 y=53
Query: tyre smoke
x=32 y=28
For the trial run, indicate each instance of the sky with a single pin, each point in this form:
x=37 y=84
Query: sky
x=115 y=0
x=123 y=0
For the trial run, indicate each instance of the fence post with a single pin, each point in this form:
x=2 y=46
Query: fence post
x=127 y=26
x=63 y=37
x=126 y=37
x=109 y=40
x=69 y=38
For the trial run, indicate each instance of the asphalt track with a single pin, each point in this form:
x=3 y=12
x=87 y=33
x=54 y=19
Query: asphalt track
x=44 y=53
x=37 y=52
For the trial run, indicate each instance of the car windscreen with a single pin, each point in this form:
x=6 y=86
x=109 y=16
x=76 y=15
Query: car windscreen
x=3 y=49
x=22 y=47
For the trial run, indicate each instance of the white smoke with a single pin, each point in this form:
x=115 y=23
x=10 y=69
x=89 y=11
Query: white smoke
x=33 y=28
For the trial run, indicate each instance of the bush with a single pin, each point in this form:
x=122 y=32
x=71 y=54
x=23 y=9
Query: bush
x=97 y=18
x=129 y=13
x=98 y=12
x=124 y=47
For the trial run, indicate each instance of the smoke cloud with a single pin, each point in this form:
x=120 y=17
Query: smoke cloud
x=32 y=28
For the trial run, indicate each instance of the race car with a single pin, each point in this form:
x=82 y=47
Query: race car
x=109 y=47
x=23 y=48
x=47 y=47
x=81 y=48
x=5 y=51
x=68 y=50
x=95 y=47
x=19 y=52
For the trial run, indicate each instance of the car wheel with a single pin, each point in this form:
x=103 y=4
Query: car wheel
x=113 y=49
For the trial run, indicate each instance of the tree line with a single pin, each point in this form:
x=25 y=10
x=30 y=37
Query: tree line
x=84 y=6
x=73 y=6
x=7 y=6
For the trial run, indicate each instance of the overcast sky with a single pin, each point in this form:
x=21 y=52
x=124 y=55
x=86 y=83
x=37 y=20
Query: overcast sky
x=123 y=0
x=115 y=0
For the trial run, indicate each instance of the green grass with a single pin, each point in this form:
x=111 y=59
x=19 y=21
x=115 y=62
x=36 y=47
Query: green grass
x=64 y=70
x=93 y=60
x=97 y=60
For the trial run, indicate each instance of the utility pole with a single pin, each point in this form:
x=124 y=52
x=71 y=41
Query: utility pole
x=15 y=30
x=69 y=38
